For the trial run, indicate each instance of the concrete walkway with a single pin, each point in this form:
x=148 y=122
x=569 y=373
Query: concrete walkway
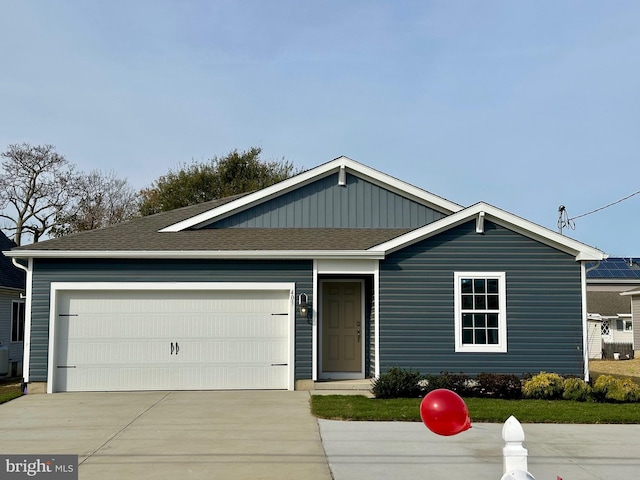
x=171 y=435
x=399 y=450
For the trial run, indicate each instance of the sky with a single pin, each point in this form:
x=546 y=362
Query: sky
x=525 y=105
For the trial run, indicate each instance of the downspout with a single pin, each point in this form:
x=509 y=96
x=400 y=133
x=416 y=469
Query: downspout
x=26 y=344
x=585 y=321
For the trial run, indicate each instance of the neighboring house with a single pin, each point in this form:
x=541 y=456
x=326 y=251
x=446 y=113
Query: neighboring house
x=635 y=317
x=610 y=284
x=340 y=272
x=12 y=308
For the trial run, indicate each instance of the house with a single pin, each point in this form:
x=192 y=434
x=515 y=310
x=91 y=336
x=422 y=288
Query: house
x=340 y=272
x=12 y=308
x=610 y=287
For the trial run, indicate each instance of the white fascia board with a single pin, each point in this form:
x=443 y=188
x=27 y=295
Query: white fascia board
x=613 y=281
x=379 y=178
x=632 y=292
x=205 y=254
x=529 y=229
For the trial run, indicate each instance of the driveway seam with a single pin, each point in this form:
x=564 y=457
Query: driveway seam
x=110 y=439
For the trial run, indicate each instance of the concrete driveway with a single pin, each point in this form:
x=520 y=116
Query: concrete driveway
x=158 y=435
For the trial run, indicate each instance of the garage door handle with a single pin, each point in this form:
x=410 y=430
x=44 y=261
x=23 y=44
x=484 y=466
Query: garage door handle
x=279 y=364
x=177 y=348
x=171 y=348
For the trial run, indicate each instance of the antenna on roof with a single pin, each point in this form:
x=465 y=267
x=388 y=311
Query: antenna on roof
x=564 y=220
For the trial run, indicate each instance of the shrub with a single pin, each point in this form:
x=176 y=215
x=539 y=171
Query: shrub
x=608 y=388
x=457 y=382
x=546 y=386
x=495 y=385
x=576 y=389
x=397 y=383
x=602 y=385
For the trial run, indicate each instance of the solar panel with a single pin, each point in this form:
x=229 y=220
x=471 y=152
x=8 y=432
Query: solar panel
x=622 y=268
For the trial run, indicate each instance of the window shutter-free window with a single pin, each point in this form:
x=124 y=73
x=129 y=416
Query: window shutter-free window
x=17 y=321
x=480 y=311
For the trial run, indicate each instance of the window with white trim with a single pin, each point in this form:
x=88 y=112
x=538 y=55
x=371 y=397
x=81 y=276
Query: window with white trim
x=17 y=321
x=480 y=312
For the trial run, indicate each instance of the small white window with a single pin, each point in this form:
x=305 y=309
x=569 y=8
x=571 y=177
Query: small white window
x=624 y=325
x=480 y=312
x=17 y=321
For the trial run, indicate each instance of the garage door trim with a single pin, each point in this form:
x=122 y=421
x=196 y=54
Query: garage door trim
x=59 y=287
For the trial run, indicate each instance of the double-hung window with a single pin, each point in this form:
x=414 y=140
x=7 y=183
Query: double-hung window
x=17 y=321
x=480 y=312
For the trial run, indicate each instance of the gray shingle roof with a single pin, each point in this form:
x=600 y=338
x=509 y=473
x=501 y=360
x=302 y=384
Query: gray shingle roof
x=607 y=303
x=143 y=234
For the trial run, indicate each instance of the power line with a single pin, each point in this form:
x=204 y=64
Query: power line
x=565 y=222
x=606 y=206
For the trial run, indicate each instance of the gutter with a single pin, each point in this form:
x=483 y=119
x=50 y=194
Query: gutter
x=201 y=254
x=26 y=343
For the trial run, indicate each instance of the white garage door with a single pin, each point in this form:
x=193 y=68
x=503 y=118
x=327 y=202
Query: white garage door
x=171 y=340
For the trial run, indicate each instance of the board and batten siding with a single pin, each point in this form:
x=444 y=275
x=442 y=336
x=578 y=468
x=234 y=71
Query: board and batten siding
x=325 y=204
x=544 y=306
x=46 y=271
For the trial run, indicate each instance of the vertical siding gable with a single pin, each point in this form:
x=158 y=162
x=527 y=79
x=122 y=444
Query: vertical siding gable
x=325 y=204
x=544 y=309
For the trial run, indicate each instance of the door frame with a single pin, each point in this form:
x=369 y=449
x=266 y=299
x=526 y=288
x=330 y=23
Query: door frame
x=342 y=375
x=60 y=287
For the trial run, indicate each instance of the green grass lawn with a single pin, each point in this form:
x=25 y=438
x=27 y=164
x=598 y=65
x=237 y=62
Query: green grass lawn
x=356 y=407
x=9 y=393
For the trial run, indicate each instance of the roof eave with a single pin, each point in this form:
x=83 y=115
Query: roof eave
x=200 y=254
x=631 y=292
x=581 y=251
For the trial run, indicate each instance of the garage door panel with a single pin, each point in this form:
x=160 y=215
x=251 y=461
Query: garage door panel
x=160 y=340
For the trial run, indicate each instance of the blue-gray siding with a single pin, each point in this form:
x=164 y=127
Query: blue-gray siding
x=47 y=271
x=325 y=204
x=544 y=309
x=7 y=298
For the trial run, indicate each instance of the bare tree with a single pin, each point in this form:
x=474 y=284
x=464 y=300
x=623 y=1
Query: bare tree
x=99 y=200
x=34 y=188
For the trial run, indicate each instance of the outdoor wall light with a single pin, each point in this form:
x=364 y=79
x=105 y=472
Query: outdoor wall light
x=304 y=307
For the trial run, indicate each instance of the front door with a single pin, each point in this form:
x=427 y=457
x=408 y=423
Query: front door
x=342 y=328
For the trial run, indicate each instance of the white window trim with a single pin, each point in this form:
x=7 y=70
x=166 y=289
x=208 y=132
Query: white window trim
x=501 y=347
x=16 y=304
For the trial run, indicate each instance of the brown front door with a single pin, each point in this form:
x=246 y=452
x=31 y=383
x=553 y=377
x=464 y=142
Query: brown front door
x=342 y=327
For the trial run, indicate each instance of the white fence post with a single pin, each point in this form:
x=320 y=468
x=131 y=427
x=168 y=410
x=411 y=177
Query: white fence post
x=514 y=453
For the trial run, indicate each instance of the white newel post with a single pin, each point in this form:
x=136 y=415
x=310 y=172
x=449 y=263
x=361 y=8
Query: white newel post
x=514 y=453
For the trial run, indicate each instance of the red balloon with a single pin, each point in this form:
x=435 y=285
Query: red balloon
x=444 y=412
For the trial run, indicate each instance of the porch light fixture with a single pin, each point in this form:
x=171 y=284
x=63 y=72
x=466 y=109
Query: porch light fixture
x=304 y=307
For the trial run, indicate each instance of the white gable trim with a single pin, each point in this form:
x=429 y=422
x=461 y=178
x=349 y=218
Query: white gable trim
x=632 y=292
x=520 y=225
x=343 y=164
